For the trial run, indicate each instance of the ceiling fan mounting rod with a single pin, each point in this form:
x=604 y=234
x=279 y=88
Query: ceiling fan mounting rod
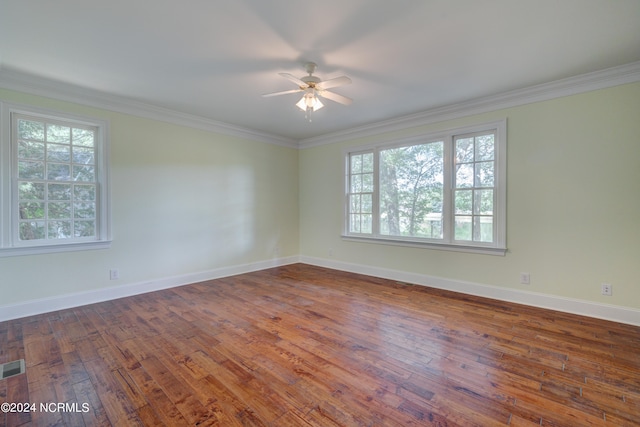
x=310 y=67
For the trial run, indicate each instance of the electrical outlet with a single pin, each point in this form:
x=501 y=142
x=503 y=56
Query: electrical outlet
x=525 y=278
x=607 y=289
x=114 y=274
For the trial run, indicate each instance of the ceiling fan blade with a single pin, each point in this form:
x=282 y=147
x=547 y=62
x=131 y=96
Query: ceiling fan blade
x=294 y=79
x=338 y=81
x=285 y=92
x=335 y=97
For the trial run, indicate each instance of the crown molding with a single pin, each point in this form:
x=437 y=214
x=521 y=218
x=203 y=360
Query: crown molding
x=629 y=73
x=27 y=83
x=34 y=85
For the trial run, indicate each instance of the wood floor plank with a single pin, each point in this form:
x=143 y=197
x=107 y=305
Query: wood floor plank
x=118 y=404
x=308 y=346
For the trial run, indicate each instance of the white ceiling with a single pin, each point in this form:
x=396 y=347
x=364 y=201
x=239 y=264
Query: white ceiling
x=214 y=59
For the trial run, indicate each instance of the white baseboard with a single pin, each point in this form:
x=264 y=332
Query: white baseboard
x=45 y=305
x=568 y=305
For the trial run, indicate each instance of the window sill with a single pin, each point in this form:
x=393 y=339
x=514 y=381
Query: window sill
x=47 y=249
x=427 y=245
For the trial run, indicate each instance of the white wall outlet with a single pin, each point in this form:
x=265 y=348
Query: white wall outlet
x=525 y=278
x=607 y=289
x=114 y=274
x=330 y=251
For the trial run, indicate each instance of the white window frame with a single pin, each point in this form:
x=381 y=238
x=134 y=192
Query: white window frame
x=10 y=244
x=497 y=247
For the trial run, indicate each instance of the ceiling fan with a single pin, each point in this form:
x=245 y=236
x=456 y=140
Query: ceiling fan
x=313 y=87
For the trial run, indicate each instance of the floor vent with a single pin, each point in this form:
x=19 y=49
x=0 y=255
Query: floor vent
x=11 y=369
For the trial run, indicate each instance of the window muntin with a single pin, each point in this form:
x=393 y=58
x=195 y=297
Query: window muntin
x=474 y=187
x=53 y=182
x=448 y=191
x=56 y=180
x=360 y=193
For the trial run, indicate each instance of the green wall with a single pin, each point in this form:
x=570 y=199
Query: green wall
x=187 y=201
x=184 y=201
x=573 y=202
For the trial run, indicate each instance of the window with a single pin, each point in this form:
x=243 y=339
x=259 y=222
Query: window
x=54 y=182
x=446 y=191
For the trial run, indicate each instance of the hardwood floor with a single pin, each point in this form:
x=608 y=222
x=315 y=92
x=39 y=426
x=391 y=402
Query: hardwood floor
x=306 y=346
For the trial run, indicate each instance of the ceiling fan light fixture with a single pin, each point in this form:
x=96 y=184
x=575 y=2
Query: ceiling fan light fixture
x=309 y=101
